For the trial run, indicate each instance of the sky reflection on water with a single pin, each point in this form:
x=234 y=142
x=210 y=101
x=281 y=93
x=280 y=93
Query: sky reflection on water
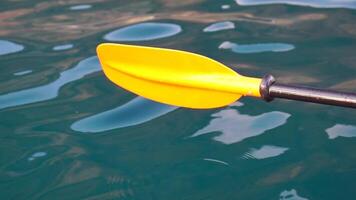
x=219 y=26
x=144 y=32
x=135 y=112
x=62 y=47
x=290 y=195
x=341 y=130
x=235 y=127
x=21 y=73
x=216 y=161
x=225 y=6
x=51 y=90
x=81 y=7
x=256 y=48
x=36 y=155
x=7 y=47
x=266 y=151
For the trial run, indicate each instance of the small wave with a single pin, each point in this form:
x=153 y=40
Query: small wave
x=219 y=26
x=266 y=151
x=144 y=32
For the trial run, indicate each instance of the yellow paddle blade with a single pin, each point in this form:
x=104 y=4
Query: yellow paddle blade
x=174 y=77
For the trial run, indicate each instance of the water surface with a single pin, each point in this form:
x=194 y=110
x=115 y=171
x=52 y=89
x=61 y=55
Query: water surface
x=66 y=132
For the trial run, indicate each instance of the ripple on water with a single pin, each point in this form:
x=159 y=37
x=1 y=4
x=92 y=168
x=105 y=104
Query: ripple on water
x=256 y=48
x=290 y=195
x=144 y=32
x=216 y=161
x=219 y=26
x=340 y=130
x=62 y=47
x=318 y=3
x=266 y=151
x=36 y=155
x=134 y=112
x=81 y=7
x=236 y=127
x=50 y=91
x=7 y=47
x=225 y=6
x=23 y=72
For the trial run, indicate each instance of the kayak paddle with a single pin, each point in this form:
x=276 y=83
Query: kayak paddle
x=194 y=81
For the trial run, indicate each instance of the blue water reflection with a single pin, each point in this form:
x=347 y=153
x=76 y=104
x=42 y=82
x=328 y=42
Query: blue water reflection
x=290 y=195
x=256 y=48
x=81 y=7
x=62 y=47
x=21 y=73
x=216 y=161
x=341 y=130
x=235 y=127
x=219 y=26
x=7 y=47
x=134 y=112
x=50 y=90
x=225 y=7
x=144 y=32
x=313 y=3
x=266 y=151
x=37 y=155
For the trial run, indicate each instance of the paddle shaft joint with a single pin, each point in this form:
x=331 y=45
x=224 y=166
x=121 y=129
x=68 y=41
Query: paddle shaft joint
x=269 y=89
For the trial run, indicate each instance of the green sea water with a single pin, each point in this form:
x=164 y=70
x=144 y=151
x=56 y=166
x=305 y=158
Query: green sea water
x=66 y=132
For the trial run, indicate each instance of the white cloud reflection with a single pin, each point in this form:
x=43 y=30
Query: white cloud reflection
x=266 y=151
x=235 y=127
x=219 y=26
x=340 y=130
x=290 y=195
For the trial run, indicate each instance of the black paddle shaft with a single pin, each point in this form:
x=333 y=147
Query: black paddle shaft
x=269 y=89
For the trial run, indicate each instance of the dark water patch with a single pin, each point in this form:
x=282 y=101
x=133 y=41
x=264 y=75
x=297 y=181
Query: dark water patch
x=312 y=3
x=266 y=151
x=62 y=47
x=219 y=26
x=21 y=73
x=51 y=90
x=134 y=112
x=256 y=48
x=144 y=32
x=7 y=47
x=235 y=127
